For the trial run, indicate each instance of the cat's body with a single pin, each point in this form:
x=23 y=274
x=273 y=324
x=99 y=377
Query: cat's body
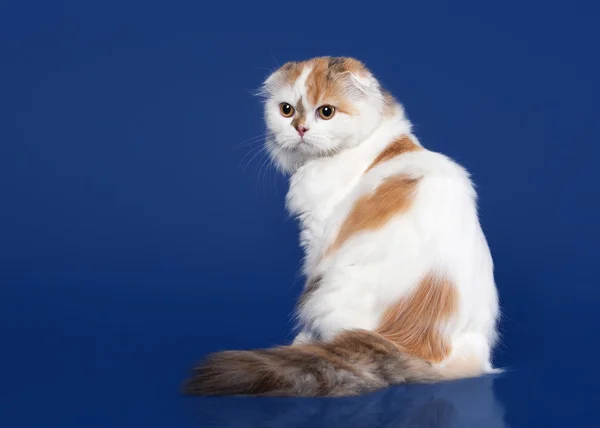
x=400 y=284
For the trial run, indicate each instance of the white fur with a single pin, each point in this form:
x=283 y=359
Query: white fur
x=373 y=269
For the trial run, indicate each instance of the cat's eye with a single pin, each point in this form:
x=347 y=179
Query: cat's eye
x=286 y=110
x=326 y=112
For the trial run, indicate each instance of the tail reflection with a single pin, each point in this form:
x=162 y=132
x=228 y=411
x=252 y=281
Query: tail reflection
x=464 y=403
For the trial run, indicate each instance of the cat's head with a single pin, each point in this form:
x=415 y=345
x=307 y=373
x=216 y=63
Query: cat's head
x=319 y=107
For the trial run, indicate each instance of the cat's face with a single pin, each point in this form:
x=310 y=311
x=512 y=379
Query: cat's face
x=319 y=107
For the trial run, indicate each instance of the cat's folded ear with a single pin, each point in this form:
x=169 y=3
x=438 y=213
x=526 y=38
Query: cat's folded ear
x=283 y=76
x=357 y=74
x=362 y=80
x=359 y=84
x=358 y=80
x=270 y=85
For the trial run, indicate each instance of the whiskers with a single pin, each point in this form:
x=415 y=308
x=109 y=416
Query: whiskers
x=250 y=141
x=263 y=153
x=266 y=171
x=259 y=154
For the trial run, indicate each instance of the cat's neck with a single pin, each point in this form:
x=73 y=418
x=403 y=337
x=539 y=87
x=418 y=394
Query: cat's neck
x=391 y=128
x=320 y=183
x=357 y=159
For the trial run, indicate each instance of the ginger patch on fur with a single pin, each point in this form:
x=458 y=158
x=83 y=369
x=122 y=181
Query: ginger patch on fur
x=373 y=211
x=413 y=323
x=397 y=147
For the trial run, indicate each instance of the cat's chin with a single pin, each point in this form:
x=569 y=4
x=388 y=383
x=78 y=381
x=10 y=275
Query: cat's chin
x=301 y=148
x=306 y=148
x=311 y=149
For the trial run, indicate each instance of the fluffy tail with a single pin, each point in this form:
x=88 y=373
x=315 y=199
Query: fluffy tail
x=356 y=362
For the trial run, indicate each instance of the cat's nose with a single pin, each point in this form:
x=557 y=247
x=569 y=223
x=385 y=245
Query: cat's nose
x=301 y=130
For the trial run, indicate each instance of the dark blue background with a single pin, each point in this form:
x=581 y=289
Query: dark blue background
x=133 y=240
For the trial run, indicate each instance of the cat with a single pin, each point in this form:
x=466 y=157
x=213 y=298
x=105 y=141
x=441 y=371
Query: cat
x=399 y=276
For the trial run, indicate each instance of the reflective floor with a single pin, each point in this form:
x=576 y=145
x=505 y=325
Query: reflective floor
x=469 y=403
x=116 y=358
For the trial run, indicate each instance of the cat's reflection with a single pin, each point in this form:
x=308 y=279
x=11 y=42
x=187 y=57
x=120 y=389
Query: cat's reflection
x=464 y=403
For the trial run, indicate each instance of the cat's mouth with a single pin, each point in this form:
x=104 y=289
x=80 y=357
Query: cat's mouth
x=306 y=147
x=310 y=149
x=300 y=145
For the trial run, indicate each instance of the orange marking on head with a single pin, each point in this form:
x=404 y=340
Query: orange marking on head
x=325 y=84
x=291 y=71
x=413 y=323
x=373 y=211
x=317 y=83
x=396 y=148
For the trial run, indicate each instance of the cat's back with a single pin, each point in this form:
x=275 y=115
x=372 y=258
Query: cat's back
x=429 y=189
x=400 y=197
x=411 y=215
x=428 y=195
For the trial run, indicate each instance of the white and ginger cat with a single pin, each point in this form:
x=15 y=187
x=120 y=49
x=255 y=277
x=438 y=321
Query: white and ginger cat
x=400 y=285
